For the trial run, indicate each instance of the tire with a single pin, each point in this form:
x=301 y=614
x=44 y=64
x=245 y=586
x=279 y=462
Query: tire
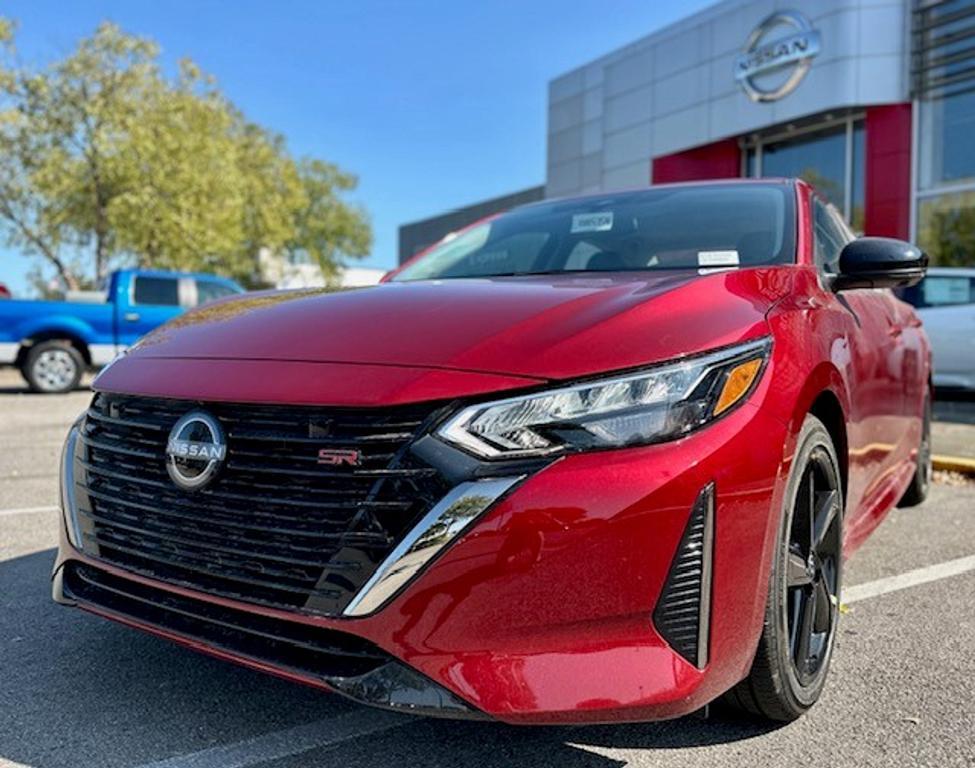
x=53 y=367
x=917 y=491
x=791 y=665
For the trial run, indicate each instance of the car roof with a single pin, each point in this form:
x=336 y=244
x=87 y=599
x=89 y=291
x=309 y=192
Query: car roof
x=738 y=181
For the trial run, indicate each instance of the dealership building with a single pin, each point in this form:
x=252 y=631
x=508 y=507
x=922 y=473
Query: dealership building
x=873 y=101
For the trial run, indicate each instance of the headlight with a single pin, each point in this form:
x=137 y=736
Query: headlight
x=657 y=404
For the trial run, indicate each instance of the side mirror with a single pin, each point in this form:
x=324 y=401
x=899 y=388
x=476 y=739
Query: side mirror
x=880 y=262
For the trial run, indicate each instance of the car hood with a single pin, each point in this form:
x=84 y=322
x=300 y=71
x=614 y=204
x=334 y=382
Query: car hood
x=542 y=327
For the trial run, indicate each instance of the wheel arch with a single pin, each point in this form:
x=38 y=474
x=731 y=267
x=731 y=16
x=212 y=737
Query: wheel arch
x=824 y=395
x=827 y=408
x=53 y=334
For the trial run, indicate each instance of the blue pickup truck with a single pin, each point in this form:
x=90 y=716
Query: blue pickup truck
x=52 y=342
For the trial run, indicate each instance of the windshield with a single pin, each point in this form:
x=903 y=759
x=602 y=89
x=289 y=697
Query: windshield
x=707 y=226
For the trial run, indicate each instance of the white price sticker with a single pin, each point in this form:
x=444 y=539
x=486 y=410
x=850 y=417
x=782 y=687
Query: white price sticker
x=717 y=258
x=592 y=222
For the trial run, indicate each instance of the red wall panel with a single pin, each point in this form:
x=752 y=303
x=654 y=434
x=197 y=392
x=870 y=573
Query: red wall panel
x=888 y=171
x=719 y=160
x=887 y=168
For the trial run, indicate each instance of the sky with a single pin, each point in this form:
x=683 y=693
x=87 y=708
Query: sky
x=433 y=104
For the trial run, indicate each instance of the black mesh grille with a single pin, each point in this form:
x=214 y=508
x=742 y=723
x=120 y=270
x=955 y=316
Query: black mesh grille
x=274 y=527
x=316 y=652
x=682 y=612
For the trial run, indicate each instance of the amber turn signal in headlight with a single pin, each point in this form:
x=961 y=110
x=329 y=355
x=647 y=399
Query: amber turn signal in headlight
x=736 y=385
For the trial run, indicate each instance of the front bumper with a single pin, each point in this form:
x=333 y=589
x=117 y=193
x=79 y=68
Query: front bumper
x=541 y=611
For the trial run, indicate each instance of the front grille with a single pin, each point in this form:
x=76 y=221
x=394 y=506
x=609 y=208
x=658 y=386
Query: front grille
x=274 y=527
x=312 y=651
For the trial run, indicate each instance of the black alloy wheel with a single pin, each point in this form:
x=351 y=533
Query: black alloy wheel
x=802 y=610
x=811 y=602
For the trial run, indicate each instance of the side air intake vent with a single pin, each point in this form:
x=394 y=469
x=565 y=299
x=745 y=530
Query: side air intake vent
x=682 y=615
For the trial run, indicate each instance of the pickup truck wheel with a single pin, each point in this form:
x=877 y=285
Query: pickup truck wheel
x=53 y=367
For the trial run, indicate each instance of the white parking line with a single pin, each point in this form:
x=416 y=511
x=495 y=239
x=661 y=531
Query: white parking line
x=910 y=579
x=328 y=732
x=324 y=733
x=288 y=741
x=26 y=510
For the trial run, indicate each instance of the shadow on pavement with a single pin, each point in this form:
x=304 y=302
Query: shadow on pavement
x=25 y=390
x=78 y=690
x=500 y=746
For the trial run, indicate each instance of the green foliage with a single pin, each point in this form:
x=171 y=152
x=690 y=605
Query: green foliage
x=104 y=160
x=327 y=228
x=946 y=228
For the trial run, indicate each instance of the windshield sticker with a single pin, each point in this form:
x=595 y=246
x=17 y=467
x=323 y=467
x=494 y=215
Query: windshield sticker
x=592 y=222
x=717 y=258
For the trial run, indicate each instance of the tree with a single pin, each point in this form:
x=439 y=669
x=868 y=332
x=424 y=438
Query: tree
x=32 y=221
x=327 y=229
x=181 y=204
x=104 y=160
x=60 y=144
x=946 y=229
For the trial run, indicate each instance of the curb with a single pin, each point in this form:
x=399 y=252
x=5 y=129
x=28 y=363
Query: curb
x=958 y=464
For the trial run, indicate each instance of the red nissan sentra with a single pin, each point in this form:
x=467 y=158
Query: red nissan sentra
x=597 y=459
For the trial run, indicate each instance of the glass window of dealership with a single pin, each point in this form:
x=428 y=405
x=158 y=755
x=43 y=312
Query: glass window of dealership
x=829 y=150
x=942 y=76
x=943 y=68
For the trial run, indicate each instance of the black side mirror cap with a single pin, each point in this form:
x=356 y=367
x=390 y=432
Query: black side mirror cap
x=880 y=262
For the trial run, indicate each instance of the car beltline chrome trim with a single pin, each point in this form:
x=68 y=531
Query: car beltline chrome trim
x=439 y=527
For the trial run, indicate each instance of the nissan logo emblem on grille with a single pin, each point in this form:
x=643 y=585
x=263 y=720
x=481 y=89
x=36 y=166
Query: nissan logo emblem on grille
x=195 y=450
x=769 y=69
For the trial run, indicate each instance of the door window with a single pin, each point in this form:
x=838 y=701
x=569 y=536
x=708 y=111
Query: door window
x=156 y=291
x=829 y=237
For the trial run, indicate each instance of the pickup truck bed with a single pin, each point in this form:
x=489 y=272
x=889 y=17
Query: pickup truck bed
x=52 y=342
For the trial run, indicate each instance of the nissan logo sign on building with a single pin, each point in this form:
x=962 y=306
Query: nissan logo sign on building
x=853 y=96
x=754 y=88
x=777 y=55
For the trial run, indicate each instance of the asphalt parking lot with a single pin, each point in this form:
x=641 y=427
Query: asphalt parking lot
x=79 y=691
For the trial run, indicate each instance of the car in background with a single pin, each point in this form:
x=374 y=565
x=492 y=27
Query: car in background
x=596 y=459
x=53 y=342
x=945 y=302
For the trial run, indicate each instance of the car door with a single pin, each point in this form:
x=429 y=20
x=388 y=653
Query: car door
x=946 y=304
x=151 y=301
x=876 y=419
